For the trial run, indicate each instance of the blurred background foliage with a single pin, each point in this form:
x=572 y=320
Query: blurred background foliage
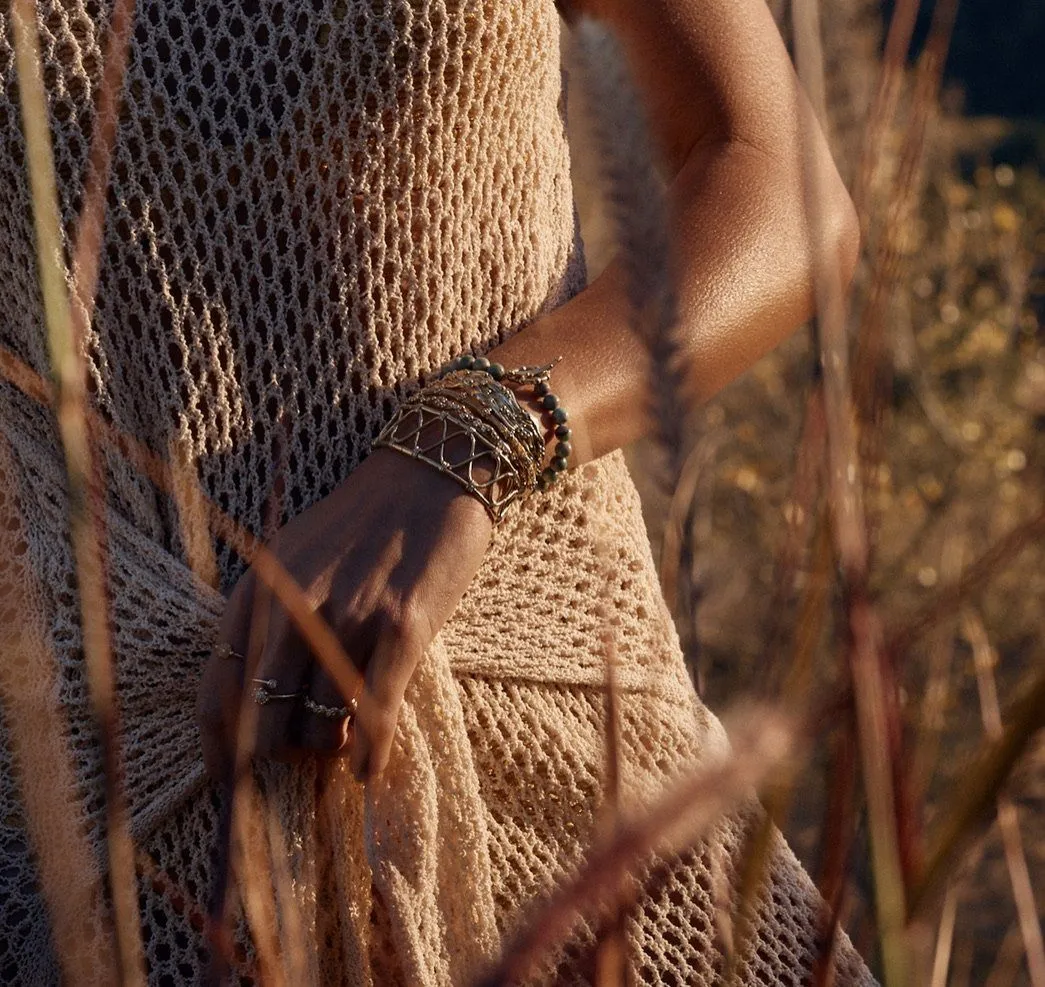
x=995 y=56
x=962 y=457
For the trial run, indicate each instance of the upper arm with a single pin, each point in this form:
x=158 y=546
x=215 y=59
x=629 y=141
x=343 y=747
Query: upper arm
x=709 y=70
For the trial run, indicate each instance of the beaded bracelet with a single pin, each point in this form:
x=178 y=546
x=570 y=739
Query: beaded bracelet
x=539 y=378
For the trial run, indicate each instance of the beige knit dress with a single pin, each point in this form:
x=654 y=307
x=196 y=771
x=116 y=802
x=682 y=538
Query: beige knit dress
x=314 y=204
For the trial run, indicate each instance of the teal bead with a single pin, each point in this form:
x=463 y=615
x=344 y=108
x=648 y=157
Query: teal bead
x=466 y=362
x=563 y=432
x=549 y=475
x=496 y=371
x=559 y=464
x=563 y=449
x=549 y=402
x=481 y=363
x=560 y=417
x=541 y=388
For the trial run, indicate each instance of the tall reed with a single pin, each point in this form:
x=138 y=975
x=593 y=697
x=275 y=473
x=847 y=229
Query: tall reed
x=86 y=498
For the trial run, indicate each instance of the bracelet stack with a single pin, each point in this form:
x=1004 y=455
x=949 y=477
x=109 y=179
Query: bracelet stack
x=469 y=425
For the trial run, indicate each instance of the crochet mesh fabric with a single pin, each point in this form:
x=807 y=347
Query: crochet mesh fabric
x=313 y=204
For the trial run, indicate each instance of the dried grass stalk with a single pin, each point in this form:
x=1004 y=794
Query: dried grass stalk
x=874 y=692
x=803 y=503
x=678 y=530
x=938 y=685
x=272 y=576
x=85 y=495
x=883 y=107
x=973 y=801
x=36 y=730
x=1008 y=818
x=87 y=254
x=297 y=956
x=875 y=373
x=637 y=202
x=190 y=501
x=257 y=860
x=950 y=599
x=843 y=464
x=945 y=938
x=838 y=837
x=797 y=696
x=243 y=825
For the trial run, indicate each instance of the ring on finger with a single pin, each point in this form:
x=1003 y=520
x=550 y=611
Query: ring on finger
x=225 y=650
x=266 y=692
x=330 y=712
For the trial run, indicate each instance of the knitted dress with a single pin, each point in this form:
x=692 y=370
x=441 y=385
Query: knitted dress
x=313 y=204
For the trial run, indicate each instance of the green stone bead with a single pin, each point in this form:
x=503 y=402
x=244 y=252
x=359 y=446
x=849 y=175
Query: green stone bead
x=481 y=363
x=560 y=417
x=559 y=464
x=549 y=475
x=466 y=362
x=549 y=402
x=563 y=432
x=541 y=388
x=496 y=371
x=563 y=449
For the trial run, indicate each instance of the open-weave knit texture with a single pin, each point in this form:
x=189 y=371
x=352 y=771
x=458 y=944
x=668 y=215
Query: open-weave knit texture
x=314 y=204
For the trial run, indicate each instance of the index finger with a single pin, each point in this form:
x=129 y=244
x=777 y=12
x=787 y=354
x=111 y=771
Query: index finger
x=221 y=684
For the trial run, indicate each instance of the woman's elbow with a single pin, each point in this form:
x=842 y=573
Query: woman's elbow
x=819 y=239
x=844 y=235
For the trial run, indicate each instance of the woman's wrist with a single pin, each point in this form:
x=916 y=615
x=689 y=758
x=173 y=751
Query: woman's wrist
x=417 y=473
x=540 y=344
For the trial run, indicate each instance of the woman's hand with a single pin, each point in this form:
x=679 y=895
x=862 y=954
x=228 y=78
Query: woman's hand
x=384 y=559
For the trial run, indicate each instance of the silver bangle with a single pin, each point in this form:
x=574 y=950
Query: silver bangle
x=266 y=692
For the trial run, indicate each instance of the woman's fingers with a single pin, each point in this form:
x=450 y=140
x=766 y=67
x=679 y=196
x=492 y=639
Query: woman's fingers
x=321 y=730
x=278 y=685
x=293 y=701
x=218 y=711
x=388 y=672
x=221 y=685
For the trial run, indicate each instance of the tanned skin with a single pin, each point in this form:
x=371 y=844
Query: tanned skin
x=730 y=124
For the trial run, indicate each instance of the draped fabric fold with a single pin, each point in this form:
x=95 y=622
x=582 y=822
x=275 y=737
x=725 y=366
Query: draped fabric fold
x=435 y=865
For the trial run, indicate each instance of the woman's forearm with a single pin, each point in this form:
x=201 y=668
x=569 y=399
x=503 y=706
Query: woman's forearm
x=744 y=260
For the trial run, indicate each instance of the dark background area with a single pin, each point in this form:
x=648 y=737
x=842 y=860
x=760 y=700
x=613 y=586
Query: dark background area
x=997 y=55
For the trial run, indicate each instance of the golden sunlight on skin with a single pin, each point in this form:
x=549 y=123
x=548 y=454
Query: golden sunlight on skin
x=742 y=251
